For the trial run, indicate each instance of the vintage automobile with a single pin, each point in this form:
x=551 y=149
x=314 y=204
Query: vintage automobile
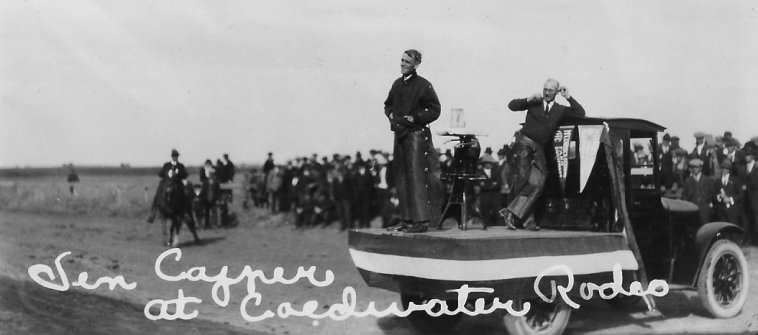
x=602 y=212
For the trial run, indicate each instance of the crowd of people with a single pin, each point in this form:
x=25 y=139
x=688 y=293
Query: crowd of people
x=354 y=190
x=718 y=174
x=351 y=190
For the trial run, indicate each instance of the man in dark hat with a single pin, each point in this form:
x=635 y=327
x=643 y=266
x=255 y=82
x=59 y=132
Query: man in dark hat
x=728 y=202
x=698 y=189
x=410 y=107
x=171 y=172
x=543 y=116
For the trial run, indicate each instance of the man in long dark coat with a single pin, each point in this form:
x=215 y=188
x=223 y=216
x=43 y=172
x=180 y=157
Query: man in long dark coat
x=411 y=105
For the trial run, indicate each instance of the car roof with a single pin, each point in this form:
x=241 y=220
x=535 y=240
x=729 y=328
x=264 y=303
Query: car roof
x=622 y=123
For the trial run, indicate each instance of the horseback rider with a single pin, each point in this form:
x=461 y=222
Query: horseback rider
x=171 y=172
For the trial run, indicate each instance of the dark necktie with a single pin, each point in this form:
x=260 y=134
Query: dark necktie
x=547 y=107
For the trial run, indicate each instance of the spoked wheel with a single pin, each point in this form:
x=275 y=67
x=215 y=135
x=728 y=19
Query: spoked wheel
x=723 y=281
x=427 y=323
x=543 y=319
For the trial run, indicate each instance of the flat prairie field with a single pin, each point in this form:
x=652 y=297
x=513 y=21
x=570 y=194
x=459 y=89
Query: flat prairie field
x=99 y=229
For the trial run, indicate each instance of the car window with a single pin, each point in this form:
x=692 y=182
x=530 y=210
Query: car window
x=641 y=163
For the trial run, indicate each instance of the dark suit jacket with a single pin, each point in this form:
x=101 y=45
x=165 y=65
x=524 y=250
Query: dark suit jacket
x=699 y=192
x=750 y=180
x=733 y=188
x=666 y=159
x=179 y=171
x=539 y=128
x=493 y=182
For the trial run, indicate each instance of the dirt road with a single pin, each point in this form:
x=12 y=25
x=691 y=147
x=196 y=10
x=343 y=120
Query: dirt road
x=112 y=246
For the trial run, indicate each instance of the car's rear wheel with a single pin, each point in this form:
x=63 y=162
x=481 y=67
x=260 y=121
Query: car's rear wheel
x=543 y=319
x=427 y=323
x=723 y=281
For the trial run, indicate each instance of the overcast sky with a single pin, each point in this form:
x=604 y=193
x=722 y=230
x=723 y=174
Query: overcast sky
x=106 y=82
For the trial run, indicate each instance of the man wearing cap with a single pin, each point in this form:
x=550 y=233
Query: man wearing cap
x=729 y=195
x=701 y=152
x=172 y=171
x=488 y=189
x=543 y=115
x=749 y=175
x=698 y=189
x=410 y=107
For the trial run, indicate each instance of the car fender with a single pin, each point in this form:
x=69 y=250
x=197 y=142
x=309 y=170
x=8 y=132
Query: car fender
x=708 y=234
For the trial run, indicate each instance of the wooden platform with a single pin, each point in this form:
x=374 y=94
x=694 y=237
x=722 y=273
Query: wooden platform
x=508 y=260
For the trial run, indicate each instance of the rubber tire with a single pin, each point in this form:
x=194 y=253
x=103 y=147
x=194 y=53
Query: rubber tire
x=518 y=325
x=719 y=249
x=427 y=323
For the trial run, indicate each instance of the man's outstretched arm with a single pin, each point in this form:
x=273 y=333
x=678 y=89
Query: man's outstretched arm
x=524 y=103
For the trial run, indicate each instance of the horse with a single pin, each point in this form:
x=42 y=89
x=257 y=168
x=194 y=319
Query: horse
x=173 y=205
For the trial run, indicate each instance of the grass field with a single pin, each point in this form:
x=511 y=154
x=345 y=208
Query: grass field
x=127 y=196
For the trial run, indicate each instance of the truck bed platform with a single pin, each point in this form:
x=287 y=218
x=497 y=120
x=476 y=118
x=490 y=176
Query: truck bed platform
x=506 y=260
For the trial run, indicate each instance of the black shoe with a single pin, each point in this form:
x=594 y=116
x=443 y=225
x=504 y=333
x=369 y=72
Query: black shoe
x=401 y=226
x=532 y=226
x=507 y=218
x=418 y=227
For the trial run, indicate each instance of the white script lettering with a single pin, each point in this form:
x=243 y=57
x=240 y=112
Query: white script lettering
x=37 y=269
x=656 y=287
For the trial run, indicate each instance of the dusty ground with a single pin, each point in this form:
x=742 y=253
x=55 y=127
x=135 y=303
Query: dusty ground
x=111 y=246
